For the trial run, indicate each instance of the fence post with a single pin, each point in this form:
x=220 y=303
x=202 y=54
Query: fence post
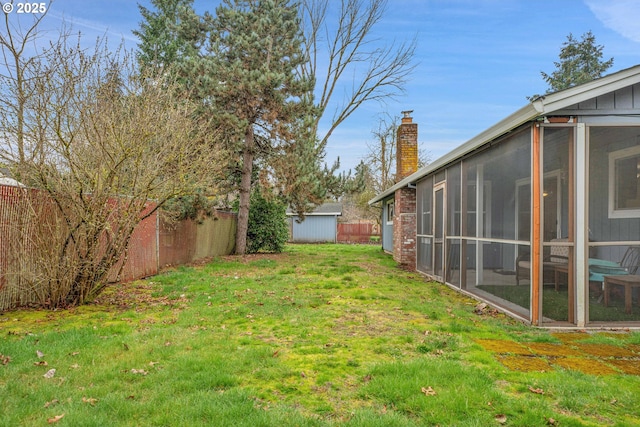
x=158 y=241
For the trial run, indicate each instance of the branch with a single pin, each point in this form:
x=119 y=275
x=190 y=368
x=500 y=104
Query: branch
x=350 y=43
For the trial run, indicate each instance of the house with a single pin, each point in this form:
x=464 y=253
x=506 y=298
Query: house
x=319 y=226
x=539 y=215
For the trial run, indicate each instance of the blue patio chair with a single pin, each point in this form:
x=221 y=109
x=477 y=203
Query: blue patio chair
x=599 y=268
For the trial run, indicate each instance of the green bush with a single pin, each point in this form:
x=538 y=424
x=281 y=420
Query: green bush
x=195 y=206
x=267 y=230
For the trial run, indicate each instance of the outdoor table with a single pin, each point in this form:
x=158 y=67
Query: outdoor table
x=596 y=268
x=629 y=282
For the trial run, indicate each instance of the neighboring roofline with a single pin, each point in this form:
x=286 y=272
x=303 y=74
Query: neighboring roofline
x=7 y=180
x=325 y=209
x=316 y=214
x=10 y=182
x=540 y=106
x=516 y=119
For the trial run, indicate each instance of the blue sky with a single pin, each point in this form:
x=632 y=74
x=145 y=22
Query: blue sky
x=477 y=60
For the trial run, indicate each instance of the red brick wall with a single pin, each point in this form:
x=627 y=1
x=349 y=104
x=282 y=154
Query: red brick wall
x=404 y=228
x=404 y=221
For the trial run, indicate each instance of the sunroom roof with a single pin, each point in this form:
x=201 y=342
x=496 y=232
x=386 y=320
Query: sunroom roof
x=539 y=107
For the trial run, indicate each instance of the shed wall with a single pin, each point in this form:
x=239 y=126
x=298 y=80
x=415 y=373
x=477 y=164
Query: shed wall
x=314 y=229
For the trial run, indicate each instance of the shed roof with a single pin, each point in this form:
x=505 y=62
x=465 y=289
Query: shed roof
x=6 y=179
x=538 y=107
x=325 y=209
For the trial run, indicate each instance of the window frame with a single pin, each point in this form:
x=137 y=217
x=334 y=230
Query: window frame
x=390 y=208
x=614 y=156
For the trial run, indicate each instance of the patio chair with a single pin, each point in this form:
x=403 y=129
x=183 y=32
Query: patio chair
x=558 y=257
x=630 y=264
x=624 y=273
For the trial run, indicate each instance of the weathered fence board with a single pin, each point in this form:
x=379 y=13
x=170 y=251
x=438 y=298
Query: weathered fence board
x=357 y=232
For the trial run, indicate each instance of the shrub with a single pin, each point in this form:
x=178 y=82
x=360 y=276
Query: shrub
x=195 y=206
x=267 y=230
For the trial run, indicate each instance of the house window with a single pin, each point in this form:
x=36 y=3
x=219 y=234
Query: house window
x=390 y=212
x=624 y=183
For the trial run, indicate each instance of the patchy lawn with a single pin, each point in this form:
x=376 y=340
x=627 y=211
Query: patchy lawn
x=320 y=335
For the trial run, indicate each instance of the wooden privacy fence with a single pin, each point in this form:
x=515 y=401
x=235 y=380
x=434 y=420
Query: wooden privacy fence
x=27 y=215
x=187 y=241
x=357 y=232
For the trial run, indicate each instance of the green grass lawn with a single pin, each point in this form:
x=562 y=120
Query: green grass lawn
x=320 y=335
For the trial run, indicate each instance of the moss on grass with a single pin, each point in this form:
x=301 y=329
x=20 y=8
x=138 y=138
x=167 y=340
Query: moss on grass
x=586 y=366
x=605 y=350
x=525 y=363
x=630 y=367
x=570 y=337
x=555 y=350
x=503 y=347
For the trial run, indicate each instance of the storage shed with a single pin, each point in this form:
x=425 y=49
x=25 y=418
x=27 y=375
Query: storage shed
x=319 y=226
x=538 y=215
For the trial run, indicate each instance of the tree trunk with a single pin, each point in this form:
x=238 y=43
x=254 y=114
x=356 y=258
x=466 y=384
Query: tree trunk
x=245 y=193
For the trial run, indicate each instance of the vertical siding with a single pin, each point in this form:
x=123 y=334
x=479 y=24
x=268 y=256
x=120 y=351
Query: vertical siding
x=635 y=93
x=315 y=229
x=601 y=227
x=623 y=99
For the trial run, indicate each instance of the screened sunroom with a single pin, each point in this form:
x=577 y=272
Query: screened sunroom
x=540 y=214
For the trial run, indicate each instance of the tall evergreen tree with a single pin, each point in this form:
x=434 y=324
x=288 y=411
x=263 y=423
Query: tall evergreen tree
x=579 y=62
x=243 y=66
x=255 y=53
x=169 y=34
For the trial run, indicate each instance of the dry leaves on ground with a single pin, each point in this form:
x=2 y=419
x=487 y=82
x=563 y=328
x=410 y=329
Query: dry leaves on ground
x=52 y=403
x=501 y=418
x=428 y=391
x=55 y=419
x=536 y=390
x=90 y=400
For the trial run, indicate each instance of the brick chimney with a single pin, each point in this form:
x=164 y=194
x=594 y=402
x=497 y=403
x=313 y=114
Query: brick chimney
x=404 y=221
x=406 y=147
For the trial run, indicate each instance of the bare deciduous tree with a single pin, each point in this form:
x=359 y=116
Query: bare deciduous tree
x=20 y=72
x=381 y=155
x=380 y=71
x=115 y=145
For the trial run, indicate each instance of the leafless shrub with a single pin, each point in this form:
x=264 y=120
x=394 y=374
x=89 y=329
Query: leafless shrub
x=112 y=147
